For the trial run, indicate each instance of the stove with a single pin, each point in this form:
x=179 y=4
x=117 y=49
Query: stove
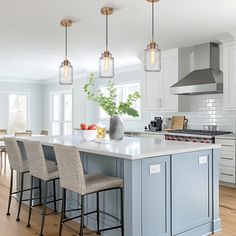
x=200 y=132
x=194 y=135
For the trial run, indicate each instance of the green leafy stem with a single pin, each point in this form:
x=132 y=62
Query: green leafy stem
x=108 y=102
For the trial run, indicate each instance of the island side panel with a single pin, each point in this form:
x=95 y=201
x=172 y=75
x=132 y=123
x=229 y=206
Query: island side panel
x=215 y=190
x=192 y=193
x=156 y=196
x=133 y=198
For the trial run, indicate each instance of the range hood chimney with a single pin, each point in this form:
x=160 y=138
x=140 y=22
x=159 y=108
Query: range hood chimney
x=206 y=77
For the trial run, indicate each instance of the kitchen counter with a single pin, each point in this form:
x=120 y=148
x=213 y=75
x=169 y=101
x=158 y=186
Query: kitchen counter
x=131 y=148
x=226 y=136
x=170 y=188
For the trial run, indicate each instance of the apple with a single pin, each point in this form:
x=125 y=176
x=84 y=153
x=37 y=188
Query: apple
x=83 y=126
x=92 y=127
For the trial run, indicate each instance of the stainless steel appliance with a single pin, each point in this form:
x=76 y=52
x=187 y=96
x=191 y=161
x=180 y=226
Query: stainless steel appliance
x=194 y=135
x=210 y=127
x=206 y=77
x=155 y=125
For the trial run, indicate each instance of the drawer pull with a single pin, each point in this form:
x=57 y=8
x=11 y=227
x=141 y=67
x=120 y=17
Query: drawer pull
x=227 y=174
x=227 y=158
x=227 y=145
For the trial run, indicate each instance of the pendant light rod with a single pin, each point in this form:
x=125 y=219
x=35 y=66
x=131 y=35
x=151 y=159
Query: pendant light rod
x=153 y=22
x=107 y=11
x=66 y=44
x=106 y=32
x=153 y=17
x=66 y=24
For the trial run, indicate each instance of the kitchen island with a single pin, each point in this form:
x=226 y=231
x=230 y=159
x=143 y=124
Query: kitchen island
x=170 y=188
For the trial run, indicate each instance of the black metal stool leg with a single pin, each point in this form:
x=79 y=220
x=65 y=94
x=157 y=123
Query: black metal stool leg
x=21 y=195
x=10 y=192
x=40 y=192
x=54 y=195
x=44 y=208
x=122 y=211
x=30 y=203
x=82 y=217
x=63 y=209
x=98 y=214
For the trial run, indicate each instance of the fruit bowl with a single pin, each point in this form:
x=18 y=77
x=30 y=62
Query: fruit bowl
x=88 y=135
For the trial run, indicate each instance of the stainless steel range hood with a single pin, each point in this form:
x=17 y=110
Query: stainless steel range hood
x=206 y=77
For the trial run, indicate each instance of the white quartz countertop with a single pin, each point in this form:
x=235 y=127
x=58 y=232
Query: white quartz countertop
x=131 y=148
x=226 y=136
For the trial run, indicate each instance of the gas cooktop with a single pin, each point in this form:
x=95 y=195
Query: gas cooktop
x=199 y=132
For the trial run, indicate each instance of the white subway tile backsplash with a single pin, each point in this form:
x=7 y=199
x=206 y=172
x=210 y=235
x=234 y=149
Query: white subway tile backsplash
x=206 y=109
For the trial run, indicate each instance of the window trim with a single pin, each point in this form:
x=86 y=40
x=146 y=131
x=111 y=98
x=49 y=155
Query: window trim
x=60 y=93
x=28 y=94
x=121 y=84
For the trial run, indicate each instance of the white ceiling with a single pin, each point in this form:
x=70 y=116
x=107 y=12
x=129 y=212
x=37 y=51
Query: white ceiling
x=32 y=41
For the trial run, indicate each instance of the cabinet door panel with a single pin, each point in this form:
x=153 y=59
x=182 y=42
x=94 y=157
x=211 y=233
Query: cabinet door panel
x=229 y=77
x=152 y=90
x=156 y=197
x=169 y=77
x=191 y=194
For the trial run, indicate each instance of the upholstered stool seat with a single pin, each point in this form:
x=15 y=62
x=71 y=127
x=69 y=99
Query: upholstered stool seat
x=97 y=182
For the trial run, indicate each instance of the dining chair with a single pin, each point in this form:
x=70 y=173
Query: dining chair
x=44 y=132
x=3 y=150
x=23 y=134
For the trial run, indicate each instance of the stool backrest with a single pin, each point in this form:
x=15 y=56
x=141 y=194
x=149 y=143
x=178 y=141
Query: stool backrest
x=14 y=154
x=70 y=168
x=37 y=161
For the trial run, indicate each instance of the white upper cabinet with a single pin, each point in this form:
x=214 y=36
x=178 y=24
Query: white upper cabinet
x=156 y=91
x=229 y=67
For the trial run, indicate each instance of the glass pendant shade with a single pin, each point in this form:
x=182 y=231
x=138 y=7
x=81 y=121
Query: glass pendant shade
x=66 y=73
x=106 y=65
x=152 y=58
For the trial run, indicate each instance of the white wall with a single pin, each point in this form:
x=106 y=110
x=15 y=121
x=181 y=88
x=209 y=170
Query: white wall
x=35 y=107
x=204 y=109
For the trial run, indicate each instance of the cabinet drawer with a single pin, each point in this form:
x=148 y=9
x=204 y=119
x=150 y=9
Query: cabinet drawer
x=227 y=174
x=228 y=145
x=227 y=159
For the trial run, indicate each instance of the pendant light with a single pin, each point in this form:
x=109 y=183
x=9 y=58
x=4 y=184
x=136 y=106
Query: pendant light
x=106 y=61
x=152 y=58
x=66 y=70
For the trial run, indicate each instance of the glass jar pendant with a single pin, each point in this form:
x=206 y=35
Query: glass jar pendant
x=106 y=65
x=152 y=58
x=66 y=73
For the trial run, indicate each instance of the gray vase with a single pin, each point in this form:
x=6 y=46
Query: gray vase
x=116 y=130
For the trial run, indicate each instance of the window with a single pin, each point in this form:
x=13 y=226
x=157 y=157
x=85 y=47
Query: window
x=122 y=92
x=62 y=112
x=18 y=118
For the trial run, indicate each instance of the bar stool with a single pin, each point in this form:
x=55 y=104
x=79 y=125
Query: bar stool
x=72 y=178
x=21 y=166
x=44 y=170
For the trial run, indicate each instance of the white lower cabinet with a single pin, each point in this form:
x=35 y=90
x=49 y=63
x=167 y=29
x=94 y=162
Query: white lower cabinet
x=227 y=160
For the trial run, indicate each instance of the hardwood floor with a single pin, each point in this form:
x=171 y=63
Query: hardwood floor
x=9 y=227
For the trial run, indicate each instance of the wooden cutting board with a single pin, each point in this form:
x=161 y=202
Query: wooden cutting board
x=177 y=122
